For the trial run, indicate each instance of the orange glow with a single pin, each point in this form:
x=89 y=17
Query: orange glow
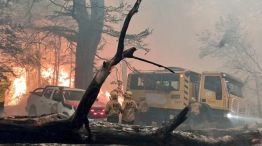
x=63 y=78
x=107 y=94
x=18 y=87
x=104 y=97
x=47 y=74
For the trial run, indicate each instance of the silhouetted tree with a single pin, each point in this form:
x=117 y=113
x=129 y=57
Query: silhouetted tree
x=229 y=43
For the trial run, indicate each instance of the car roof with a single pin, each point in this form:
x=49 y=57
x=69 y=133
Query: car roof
x=64 y=88
x=73 y=89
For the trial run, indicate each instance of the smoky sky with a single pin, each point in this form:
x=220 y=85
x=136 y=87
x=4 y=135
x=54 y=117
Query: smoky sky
x=176 y=25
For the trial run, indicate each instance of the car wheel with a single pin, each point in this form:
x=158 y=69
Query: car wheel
x=32 y=112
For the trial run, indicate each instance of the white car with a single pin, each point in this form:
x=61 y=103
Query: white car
x=57 y=99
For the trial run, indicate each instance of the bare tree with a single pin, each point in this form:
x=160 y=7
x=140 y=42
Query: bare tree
x=84 y=22
x=229 y=43
x=12 y=43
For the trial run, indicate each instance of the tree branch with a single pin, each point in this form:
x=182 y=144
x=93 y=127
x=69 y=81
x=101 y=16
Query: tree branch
x=120 y=47
x=144 y=60
x=179 y=119
x=140 y=35
x=79 y=118
x=65 y=32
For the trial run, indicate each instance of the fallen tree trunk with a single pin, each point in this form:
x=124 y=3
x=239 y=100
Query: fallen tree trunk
x=56 y=129
x=136 y=135
x=108 y=133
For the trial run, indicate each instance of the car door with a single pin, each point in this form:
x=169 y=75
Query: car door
x=45 y=102
x=57 y=100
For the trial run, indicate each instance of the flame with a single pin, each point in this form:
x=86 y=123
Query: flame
x=63 y=78
x=18 y=87
x=107 y=94
x=48 y=73
x=105 y=97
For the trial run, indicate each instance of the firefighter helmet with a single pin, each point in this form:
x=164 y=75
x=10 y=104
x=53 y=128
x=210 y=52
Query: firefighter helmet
x=128 y=94
x=113 y=95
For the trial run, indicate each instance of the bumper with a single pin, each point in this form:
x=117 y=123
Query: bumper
x=97 y=116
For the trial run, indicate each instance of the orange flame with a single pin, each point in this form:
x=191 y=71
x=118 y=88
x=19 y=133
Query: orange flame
x=105 y=97
x=107 y=94
x=18 y=87
x=63 y=78
x=48 y=73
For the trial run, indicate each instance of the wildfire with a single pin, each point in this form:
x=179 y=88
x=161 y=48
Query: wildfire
x=63 y=78
x=48 y=73
x=18 y=87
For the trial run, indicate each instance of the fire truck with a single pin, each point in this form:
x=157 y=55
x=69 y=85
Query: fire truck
x=167 y=93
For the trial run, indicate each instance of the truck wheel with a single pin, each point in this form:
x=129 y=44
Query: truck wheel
x=32 y=111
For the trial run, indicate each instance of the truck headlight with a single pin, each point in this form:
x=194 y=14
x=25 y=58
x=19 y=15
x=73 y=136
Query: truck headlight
x=229 y=115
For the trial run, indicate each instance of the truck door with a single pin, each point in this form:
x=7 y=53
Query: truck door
x=46 y=102
x=212 y=93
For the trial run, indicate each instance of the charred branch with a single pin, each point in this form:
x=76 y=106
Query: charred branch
x=62 y=31
x=63 y=6
x=143 y=34
x=150 y=62
x=91 y=93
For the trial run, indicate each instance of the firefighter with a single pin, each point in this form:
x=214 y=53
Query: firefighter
x=4 y=86
x=129 y=109
x=113 y=108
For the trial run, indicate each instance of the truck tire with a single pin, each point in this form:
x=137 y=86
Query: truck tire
x=32 y=112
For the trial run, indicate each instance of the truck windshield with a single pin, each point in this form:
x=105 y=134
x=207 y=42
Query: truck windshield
x=154 y=81
x=234 y=87
x=73 y=95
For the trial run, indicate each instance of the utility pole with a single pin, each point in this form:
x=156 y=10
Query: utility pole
x=124 y=65
x=124 y=75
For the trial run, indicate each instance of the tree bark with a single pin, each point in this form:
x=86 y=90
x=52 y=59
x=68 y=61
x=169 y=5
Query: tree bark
x=89 y=35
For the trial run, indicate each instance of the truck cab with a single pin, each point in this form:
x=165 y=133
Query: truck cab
x=222 y=92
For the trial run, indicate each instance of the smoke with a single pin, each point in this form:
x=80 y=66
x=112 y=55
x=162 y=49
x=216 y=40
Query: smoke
x=177 y=25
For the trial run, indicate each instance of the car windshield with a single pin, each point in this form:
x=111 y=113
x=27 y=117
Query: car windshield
x=73 y=95
x=234 y=87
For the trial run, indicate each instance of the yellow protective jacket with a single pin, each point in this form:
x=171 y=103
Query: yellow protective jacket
x=113 y=108
x=129 y=109
x=3 y=87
